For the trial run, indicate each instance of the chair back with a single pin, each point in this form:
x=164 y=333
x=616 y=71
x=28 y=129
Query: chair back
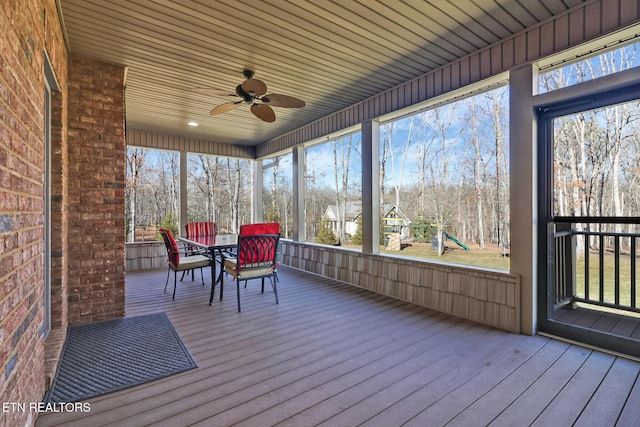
x=173 y=252
x=260 y=228
x=200 y=228
x=257 y=251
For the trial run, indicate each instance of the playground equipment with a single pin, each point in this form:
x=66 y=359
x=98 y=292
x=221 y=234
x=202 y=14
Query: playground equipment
x=458 y=242
x=436 y=240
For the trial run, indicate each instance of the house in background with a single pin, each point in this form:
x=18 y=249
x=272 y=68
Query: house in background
x=396 y=222
x=349 y=211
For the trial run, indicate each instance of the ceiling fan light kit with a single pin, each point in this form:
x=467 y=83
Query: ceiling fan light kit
x=252 y=91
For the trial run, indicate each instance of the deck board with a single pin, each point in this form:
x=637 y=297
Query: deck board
x=335 y=355
x=526 y=407
x=568 y=404
x=492 y=385
x=597 y=319
x=612 y=394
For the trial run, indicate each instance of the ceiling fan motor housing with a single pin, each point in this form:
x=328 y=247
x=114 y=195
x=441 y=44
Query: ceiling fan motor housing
x=248 y=97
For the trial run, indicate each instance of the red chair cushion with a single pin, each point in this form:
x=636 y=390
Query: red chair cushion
x=172 y=247
x=262 y=228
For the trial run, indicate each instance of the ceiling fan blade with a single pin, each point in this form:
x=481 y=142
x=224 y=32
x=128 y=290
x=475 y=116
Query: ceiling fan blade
x=212 y=92
x=285 y=101
x=263 y=112
x=258 y=87
x=223 y=108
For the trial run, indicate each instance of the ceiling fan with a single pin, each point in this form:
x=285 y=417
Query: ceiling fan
x=252 y=91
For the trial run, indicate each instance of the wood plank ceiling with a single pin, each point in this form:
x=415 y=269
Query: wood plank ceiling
x=330 y=53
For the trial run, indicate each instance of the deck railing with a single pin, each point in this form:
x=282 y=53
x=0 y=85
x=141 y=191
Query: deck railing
x=597 y=263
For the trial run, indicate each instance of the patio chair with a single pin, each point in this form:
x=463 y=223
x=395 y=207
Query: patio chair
x=200 y=228
x=264 y=228
x=255 y=259
x=176 y=263
x=197 y=228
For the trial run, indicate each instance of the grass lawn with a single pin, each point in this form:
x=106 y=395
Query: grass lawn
x=489 y=257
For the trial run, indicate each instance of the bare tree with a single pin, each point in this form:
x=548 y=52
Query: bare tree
x=341 y=160
x=336 y=172
x=278 y=197
x=478 y=171
x=210 y=169
x=166 y=189
x=233 y=170
x=273 y=214
x=398 y=175
x=446 y=136
x=135 y=163
x=387 y=148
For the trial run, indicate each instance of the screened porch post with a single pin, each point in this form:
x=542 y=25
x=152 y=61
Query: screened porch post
x=523 y=191
x=257 y=203
x=183 y=191
x=370 y=187
x=299 y=226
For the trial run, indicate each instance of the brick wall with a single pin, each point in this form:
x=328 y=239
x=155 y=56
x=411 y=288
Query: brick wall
x=59 y=224
x=96 y=239
x=27 y=29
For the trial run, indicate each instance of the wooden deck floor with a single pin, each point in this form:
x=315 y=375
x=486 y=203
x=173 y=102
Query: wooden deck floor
x=597 y=319
x=334 y=355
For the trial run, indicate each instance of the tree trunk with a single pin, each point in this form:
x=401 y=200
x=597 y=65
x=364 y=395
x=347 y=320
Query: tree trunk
x=477 y=173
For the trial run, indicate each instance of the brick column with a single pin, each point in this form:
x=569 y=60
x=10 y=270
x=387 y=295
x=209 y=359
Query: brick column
x=96 y=243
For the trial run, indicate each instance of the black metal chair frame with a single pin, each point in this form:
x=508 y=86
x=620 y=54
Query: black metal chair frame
x=187 y=262
x=255 y=258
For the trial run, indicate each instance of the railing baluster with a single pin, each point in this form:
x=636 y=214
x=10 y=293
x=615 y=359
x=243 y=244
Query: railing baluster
x=562 y=275
x=601 y=269
x=558 y=274
x=616 y=261
x=586 y=266
x=564 y=282
x=633 y=271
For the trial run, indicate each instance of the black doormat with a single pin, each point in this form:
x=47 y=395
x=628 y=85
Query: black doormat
x=103 y=357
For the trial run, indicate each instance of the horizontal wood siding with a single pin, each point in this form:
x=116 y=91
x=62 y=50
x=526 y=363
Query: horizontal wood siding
x=145 y=139
x=487 y=297
x=579 y=25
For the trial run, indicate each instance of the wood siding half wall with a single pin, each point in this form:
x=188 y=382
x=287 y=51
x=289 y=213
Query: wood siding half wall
x=484 y=296
x=145 y=255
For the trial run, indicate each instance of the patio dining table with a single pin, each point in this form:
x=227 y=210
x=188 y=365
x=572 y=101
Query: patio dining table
x=218 y=246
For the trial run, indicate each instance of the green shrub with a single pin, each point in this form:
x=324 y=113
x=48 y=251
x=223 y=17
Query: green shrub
x=170 y=222
x=325 y=235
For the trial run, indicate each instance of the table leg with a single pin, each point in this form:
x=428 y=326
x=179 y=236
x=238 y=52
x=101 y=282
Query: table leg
x=214 y=280
x=221 y=272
